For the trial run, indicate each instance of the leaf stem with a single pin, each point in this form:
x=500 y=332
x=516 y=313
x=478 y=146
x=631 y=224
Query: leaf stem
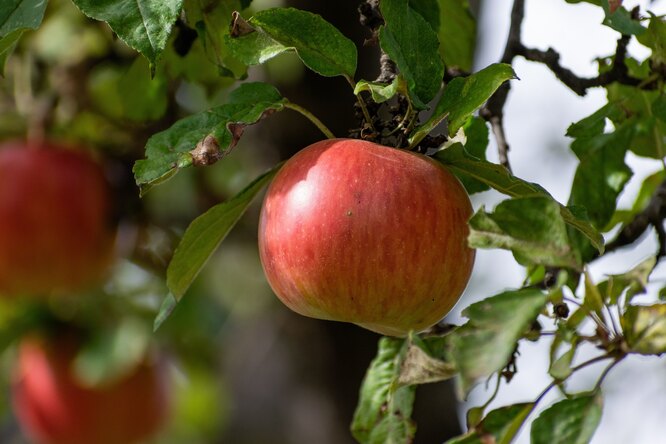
x=312 y=118
x=364 y=109
x=590 y=313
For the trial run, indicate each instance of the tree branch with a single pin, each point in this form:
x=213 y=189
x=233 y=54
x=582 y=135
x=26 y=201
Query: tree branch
x=493 y=112
x=653 y=215
x=551 y=58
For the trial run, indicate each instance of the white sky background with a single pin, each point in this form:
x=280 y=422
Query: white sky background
x=537 y=113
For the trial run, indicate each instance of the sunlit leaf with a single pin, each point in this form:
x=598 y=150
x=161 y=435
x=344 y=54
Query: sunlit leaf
x=143 y=25
x=210 y=133
x=463 y=96
x=320 y=45
x=380 y=92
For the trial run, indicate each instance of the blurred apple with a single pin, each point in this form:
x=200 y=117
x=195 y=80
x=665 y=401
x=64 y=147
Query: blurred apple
x=353 y=231
x=56 y=233
x=54 y=406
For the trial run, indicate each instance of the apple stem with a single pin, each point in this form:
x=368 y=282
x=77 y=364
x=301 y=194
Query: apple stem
x=312 y=118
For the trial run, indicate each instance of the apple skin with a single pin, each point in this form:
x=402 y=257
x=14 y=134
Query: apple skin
x=53 y=407
x=353 y=231
x=56 y=232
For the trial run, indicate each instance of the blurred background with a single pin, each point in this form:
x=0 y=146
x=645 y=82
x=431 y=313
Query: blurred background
x=245 y=369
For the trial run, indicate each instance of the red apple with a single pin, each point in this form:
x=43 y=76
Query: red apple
x=54 y=407
x=357 y=232
x=56 y=234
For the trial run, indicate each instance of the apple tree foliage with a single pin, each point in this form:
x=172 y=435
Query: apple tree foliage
x=426 y=59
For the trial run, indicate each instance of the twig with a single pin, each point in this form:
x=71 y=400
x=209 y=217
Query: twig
x=607 y=370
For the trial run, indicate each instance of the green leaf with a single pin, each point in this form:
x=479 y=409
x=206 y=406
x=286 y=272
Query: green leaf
x=643 y=113
x=166 y=308
x=571 y=421
x=429 y=10
x=21 y=14
x=457 y=34
x=486 y=342
x=143 y=98
x=17 y=16
x=632 y=282
x=621 y=20
x=560 y=369
x=531 y=227
x=143 y=25
x=423 y=364
x=205 y=234
x=320 y=45
x=655 y=39
x=214 y=132
x=476 y=133
x=500 y=426
x=7 y=46
x=381 y=92
x=384 y=409
x=599 y=179
x=463 y=96
x=211 y=20
x=595 y=123
x=644 y=328
x=412 y=44
x=459 y=162
x=594 y=2
x=593 y=300
x=647 y=190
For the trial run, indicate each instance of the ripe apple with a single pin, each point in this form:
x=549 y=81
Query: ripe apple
x=357 y=232
x=56 y=233
x=54 y=407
